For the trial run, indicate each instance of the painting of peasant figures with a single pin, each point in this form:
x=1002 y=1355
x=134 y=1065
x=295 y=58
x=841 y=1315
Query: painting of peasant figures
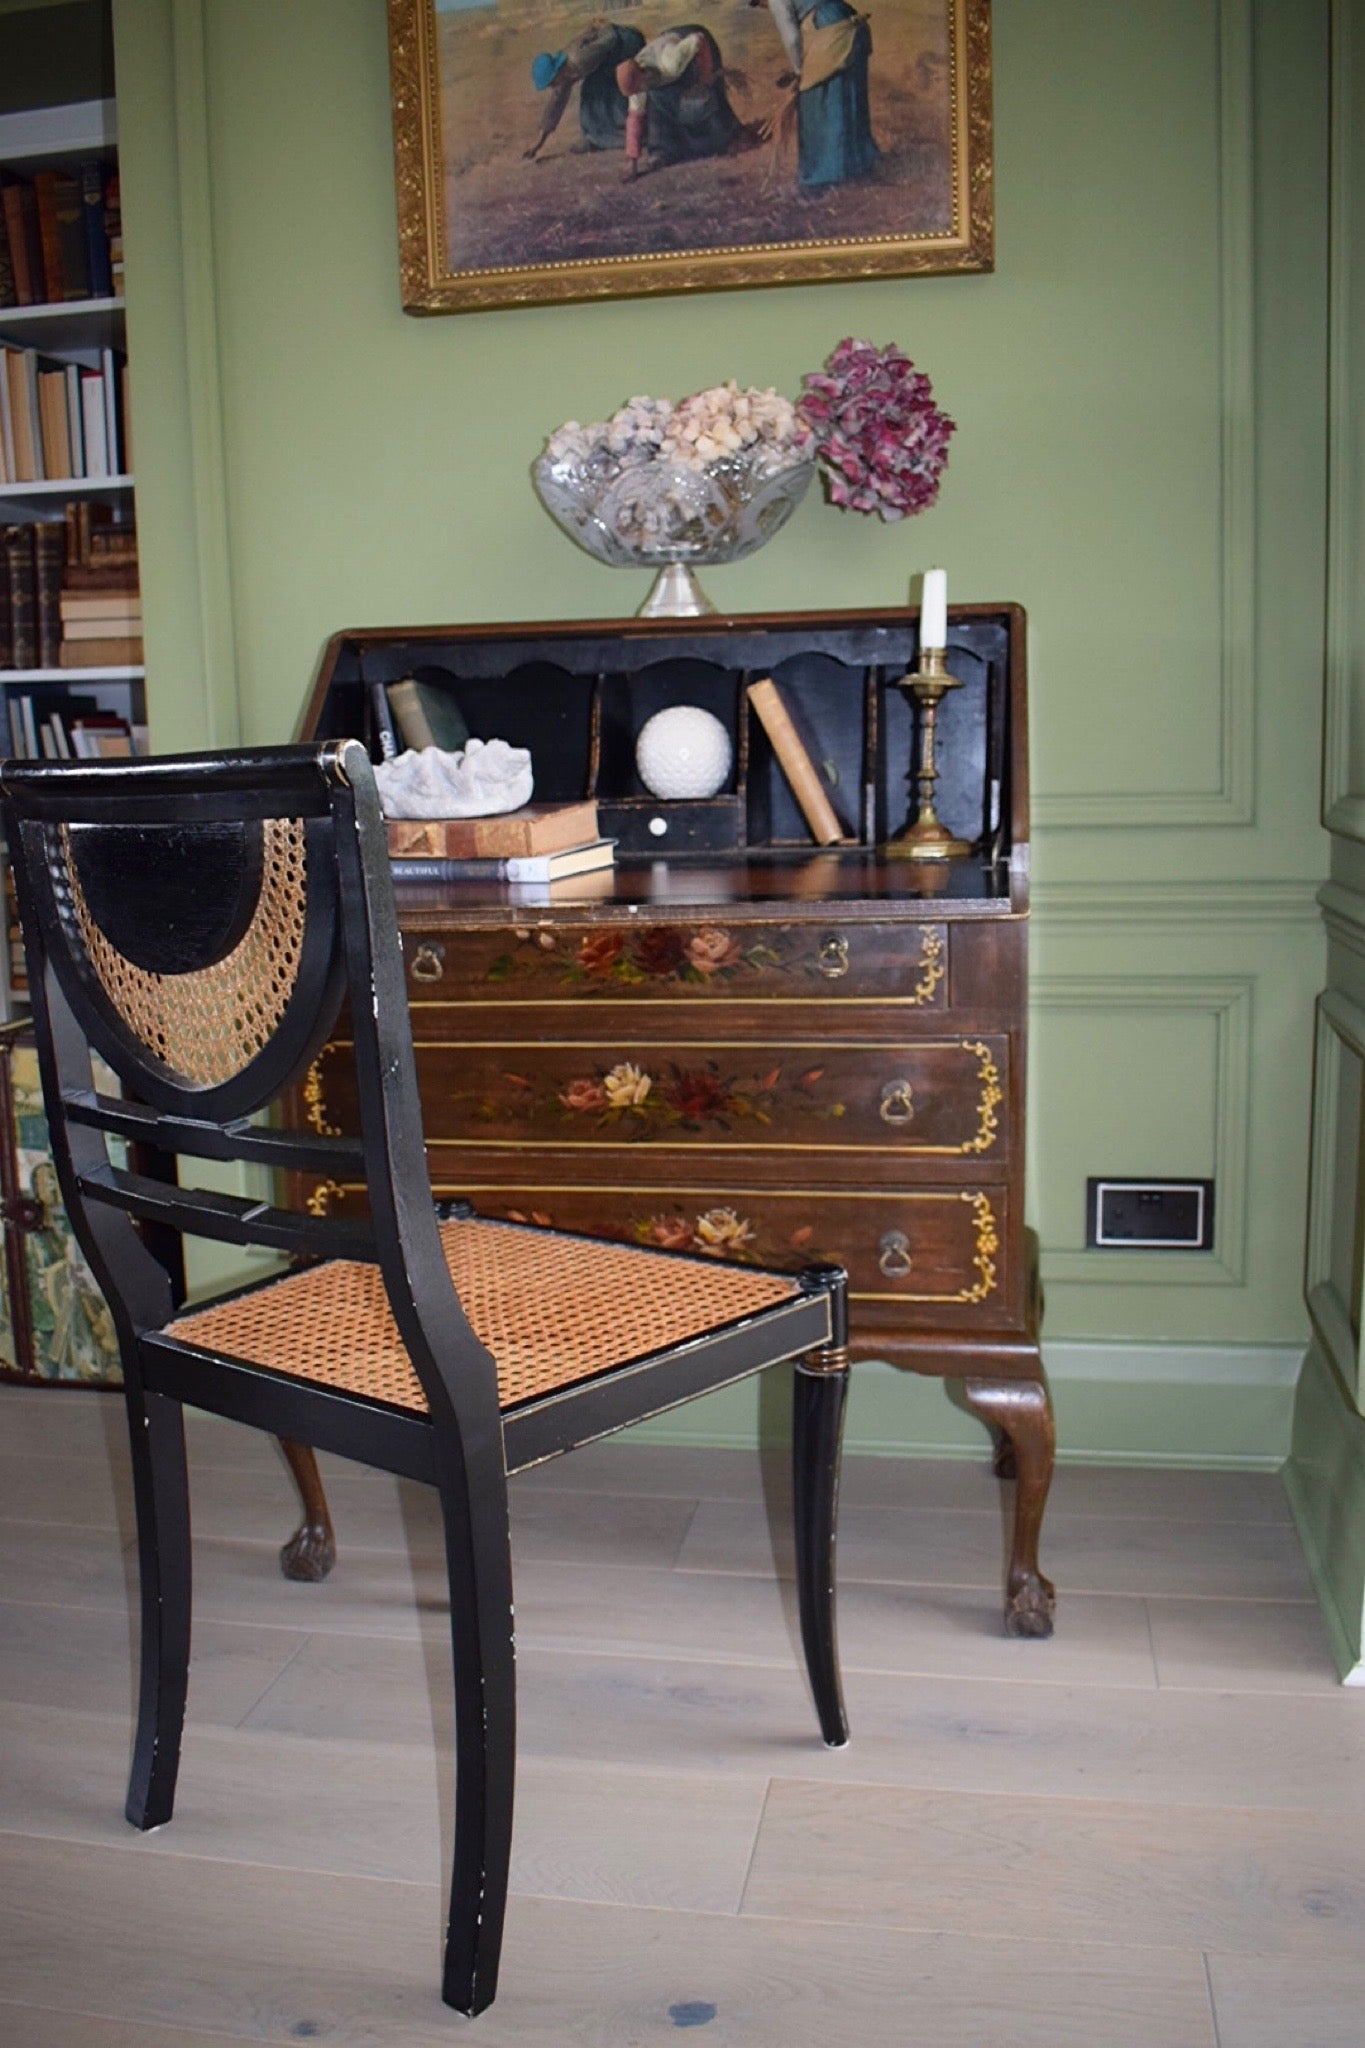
x=573 y=134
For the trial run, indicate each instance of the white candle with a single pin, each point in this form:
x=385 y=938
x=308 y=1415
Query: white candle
x=933 y=609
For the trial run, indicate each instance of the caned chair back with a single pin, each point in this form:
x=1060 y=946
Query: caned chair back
x=197 y=922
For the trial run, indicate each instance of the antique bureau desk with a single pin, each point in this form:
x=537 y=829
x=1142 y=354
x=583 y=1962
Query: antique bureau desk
x=734 y=1040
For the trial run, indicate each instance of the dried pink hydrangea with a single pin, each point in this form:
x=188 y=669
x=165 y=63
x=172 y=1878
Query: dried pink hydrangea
x=881 y=441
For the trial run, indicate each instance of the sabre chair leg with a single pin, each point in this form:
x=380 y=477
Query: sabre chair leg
x=819 y=1396
x=161 y=1491
x=478 y=1554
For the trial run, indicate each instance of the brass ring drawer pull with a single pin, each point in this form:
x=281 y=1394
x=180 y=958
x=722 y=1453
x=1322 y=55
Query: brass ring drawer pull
x=832 y=957
x=897 y=1105
x=895 y=1255
x=428 y=962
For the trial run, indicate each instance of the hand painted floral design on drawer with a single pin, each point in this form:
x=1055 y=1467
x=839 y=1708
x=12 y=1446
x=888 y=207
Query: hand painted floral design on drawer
x=940 y=1247
x=930 y=1251
x=629 y=1100
x=896 y=962
x=927 y=1098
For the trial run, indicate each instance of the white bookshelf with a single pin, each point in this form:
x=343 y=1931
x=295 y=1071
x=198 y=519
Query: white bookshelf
x=77 y=331
x=43 y=135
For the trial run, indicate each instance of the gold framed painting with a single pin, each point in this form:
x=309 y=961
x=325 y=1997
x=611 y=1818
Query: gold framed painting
x=557 y=149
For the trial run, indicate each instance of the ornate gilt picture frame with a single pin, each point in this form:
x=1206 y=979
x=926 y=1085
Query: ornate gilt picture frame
x=556 y=149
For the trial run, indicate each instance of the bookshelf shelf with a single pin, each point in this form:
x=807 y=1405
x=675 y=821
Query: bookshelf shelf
x=126 y=673
x=107 y=489
x=76 y=328
x=38 y=135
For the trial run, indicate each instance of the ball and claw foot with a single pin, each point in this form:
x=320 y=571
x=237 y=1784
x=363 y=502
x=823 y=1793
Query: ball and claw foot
x=1030 y=1604
x=310 y=1553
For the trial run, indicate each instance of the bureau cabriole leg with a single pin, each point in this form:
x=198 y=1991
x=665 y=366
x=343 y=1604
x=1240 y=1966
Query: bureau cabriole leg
x=819 y=1394
x=1022 y=1411
x=311 y=1551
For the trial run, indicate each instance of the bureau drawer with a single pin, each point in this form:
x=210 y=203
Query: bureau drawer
x=928 y=1098
x=941 y=1256
x=905 y=962
x=929 y=1251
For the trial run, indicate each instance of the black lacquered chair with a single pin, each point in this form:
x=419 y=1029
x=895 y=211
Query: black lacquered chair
x=197 y=922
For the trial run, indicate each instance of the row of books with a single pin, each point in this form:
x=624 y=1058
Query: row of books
x=61 y=235
x=63 y=420
x=69 y=595
x=418 y=714
x=537 y=844
x=75 y=730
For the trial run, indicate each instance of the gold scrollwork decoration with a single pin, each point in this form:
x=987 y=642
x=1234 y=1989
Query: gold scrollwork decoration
x=933 y=966
x=990 y=1099
x=315 y=1102
x=319 y=1203
x=987 y=1244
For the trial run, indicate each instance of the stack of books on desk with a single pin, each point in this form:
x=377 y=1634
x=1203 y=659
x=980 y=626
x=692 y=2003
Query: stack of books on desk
x=539 y=843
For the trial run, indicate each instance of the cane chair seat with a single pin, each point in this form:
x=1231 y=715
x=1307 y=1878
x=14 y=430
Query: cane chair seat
x=553 y=1310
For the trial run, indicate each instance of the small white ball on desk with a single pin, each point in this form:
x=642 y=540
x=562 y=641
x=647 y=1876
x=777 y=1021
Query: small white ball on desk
x=683 y=752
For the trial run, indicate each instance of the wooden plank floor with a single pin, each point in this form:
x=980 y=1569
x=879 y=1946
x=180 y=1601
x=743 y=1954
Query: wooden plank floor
x=1144 y=1834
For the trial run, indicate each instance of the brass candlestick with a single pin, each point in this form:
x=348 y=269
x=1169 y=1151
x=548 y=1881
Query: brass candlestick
x=928 y=838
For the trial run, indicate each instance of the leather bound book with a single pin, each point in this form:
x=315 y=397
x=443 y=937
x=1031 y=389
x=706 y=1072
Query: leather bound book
x=6 y=643
x=49 y=555
x=49 y=238
x=96 y=235
x=21 y=222
x=535 y=828
x=21 y=371
x=9 y=295
x=796 y=764
x=75 y=260
x=52 y=424
x=23 y=603
x=118 y=576
x=427 y=716
x=113 y=228
x=81 y=607
x=120 y=652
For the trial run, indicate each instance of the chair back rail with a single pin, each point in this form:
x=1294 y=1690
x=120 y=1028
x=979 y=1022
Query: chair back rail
x=250 y=1144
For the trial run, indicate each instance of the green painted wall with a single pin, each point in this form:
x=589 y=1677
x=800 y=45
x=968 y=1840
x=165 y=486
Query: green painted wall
x=1140 y=395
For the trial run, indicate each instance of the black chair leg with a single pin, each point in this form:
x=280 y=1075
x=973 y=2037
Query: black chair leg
x=161 y=1492
x=819 y=1395
x=478 y=1554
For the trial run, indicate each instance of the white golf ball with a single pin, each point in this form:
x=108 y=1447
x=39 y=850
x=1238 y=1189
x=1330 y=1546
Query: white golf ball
x=683 y=752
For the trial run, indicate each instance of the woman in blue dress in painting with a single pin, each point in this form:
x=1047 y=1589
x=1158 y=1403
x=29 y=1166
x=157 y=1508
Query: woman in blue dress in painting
x=828 y=44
